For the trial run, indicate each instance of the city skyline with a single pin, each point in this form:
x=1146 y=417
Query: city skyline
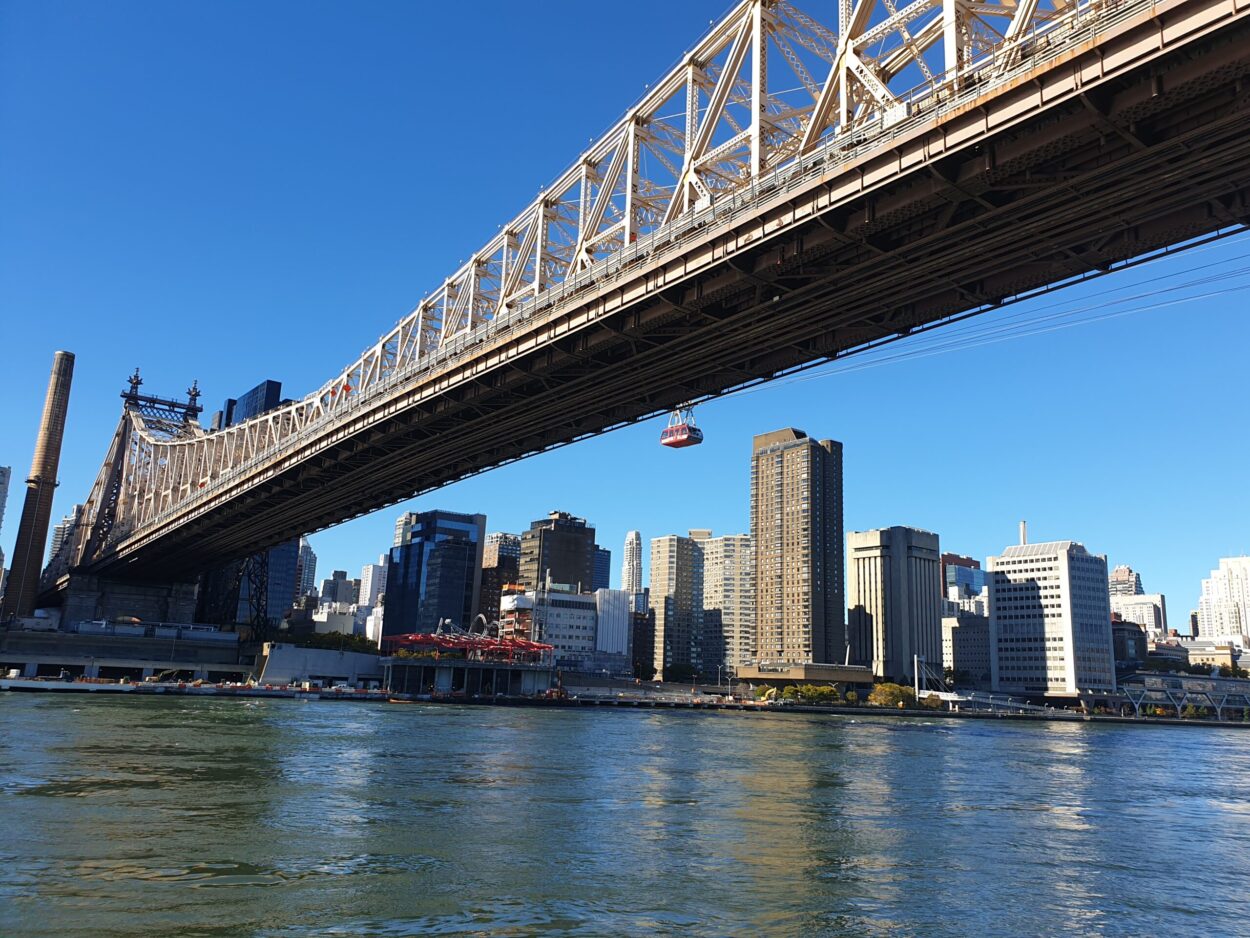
x=624 y=469
x=349 y=263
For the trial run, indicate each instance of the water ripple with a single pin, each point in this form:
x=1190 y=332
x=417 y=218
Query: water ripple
x=160 y=817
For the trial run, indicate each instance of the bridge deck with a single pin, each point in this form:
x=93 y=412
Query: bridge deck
x=1116 y=145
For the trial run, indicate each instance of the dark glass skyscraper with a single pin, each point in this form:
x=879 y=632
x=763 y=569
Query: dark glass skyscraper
x=968 y=580
x=603 y=569
x=265 y=396
x=282 y=561
x=561 y=548
x=435 y=574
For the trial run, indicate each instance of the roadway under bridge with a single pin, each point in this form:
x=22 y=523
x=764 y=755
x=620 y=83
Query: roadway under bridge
x=1118 y=131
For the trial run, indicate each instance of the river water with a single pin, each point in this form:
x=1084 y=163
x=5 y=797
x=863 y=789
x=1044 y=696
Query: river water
x=292 y=819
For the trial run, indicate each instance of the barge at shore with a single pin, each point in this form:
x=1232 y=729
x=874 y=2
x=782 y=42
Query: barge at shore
x=191 y=689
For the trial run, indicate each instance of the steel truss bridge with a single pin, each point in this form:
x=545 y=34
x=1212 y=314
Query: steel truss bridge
x=794 y=190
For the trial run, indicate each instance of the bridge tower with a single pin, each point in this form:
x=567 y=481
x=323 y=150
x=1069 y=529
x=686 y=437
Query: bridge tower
x=67 y=580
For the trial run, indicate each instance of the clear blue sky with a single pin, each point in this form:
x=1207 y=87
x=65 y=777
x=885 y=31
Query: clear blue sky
x=237 y=191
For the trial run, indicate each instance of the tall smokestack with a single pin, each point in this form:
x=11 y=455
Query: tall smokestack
x=1024 y=532
x=32 y=532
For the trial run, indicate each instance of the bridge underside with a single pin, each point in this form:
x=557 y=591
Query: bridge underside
x=1155 y=157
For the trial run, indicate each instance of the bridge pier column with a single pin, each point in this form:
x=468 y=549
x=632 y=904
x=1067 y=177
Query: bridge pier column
x=91 y=597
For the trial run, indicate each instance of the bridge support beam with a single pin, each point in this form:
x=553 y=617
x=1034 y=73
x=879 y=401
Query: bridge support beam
x=90 y=597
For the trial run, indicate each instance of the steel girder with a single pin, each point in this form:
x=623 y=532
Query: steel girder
x=805 y=259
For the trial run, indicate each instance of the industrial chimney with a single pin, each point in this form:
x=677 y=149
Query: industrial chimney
x=1024 y=533
x=32 y=532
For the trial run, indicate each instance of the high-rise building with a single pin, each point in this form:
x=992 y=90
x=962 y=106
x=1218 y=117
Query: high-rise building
x=1124 y=581
x=500 y=546
x=1149 y=610
x=280 y=576
x=603 y=569
x=500 y=567
x=676 y=599
x=281 y=563
x=336 y=589
x=963 y=587
x=962 y=574
x=252 y=403
x=306 y=569
x=403 y=528
x=895 y=600
x=728 y=602
x=966 y=649
x=796 y=529
x=558 y=549
x=566 y=619
x=614 y=611
x=1224 y=607
x=264 y=397
x=642 y=640
x=589 y=631
x=436 y=573
x=64 y=530
x=1050 y=620
x=631 y=563
x=372 y=582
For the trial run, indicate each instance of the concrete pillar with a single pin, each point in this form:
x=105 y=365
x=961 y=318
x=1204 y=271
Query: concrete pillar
x=32 y=531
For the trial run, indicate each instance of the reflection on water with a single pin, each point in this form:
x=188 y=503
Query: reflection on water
x=283 y=818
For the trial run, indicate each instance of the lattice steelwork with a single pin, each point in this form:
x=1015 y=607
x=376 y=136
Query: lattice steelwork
x=769 y=96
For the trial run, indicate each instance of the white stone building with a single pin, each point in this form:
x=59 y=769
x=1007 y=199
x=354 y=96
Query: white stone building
x=373 y=626
x=631 y=563
x=1149 y=610
x=614 y=618
x=1224 y=608
x=372 y=582
x=1050 y=621
x=568 y=622
x=589 y=631
x=335 y=617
